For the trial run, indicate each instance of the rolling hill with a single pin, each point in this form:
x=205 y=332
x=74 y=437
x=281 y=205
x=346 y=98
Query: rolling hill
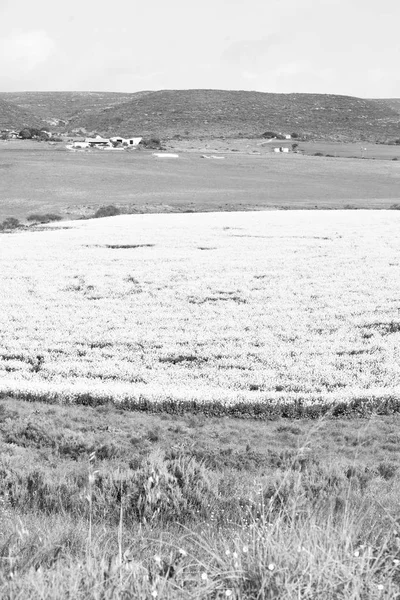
x=13 y=116
x=211 y=113
x=58 y=108
x=229 y=113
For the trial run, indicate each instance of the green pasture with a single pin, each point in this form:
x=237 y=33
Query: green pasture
x=35 y=178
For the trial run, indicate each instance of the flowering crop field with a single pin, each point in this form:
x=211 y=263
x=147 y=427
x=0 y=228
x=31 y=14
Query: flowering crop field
x=239 y=311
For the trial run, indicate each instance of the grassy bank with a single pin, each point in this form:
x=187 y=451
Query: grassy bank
x=104 y=503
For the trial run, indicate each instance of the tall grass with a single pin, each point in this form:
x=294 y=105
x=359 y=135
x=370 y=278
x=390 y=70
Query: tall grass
x=173 y=528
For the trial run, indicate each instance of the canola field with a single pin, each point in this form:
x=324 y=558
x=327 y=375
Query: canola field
x=228 y=309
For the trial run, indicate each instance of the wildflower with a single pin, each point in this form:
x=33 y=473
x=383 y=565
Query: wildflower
x=182 y=552
x=245 y=549
x=227 y=552
x=396 y=561
x=204 y=576
x=271 y=566
x=235 y=555
x=228 y=593
x=380 y=587
x=357 y=553
x=154 y=593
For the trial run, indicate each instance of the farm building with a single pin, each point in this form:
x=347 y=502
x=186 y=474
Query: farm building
x=126 y=141
x=97 y=141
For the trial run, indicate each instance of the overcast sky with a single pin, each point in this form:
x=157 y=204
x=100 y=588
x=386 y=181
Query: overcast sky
x=323 y=46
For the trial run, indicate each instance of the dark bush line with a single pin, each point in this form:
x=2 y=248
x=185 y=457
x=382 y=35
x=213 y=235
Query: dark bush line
x=44 y=218
x=263 y=410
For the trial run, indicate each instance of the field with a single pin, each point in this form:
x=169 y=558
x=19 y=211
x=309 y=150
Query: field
x=37 y=178
x=129 y=347
x=226 y=310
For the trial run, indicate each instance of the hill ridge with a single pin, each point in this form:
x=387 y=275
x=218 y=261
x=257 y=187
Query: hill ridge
x=214 y=113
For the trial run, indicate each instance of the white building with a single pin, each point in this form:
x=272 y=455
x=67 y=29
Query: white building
x=132 y=142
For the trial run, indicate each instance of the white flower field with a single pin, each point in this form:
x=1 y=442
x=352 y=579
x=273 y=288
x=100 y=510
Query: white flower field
x=233 y=308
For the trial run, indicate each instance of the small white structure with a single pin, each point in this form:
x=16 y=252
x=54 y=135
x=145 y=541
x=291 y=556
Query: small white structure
x=97 y=141
x=284 y=149
x=130 y=142
x=165 y=155
x=288 y=136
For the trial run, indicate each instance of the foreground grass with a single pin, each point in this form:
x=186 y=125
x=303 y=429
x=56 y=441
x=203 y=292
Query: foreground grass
x=102 y=503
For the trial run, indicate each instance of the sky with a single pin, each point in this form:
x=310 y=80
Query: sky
x=348 y=47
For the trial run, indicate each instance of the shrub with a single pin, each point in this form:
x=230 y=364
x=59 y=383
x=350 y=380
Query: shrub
x=318 y=154
x=153 y=143
x=10 y=223
x=269 y=134
x=107 y=211
x=44 y=218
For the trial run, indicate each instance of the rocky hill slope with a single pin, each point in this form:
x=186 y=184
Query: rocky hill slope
x=213 y=113
x=13 y=116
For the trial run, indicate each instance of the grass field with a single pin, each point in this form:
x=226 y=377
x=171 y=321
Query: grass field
x=98 y=503
x=129 y=347
x=36 y=178
x=247 y=312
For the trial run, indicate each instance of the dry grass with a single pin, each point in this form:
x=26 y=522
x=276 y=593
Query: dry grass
x=157 y=511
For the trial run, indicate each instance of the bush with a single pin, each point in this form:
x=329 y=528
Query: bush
x=10 y=223
x=107 y=211
x=153 y=143
x=45 y=218
x=269 y=134
x=318 y=154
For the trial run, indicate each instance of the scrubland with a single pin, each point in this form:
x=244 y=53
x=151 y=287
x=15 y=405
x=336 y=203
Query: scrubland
x=99 y=503
x=128 y=348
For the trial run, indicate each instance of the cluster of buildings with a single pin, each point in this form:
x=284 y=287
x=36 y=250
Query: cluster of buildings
x=113 y=143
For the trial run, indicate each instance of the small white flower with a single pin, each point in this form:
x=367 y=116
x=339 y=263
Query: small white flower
x=182 y=552
x=154 y=593
x=271 y=566
x=396 y=561
x=245 y=549
x=356 y=553
x=380 y=587
x=235 y=555
x=204 y=576
x=227 y=552
x=228 y=593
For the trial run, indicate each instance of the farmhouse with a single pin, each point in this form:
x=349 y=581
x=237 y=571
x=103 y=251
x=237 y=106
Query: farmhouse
x=133 y=142
x=97 y=142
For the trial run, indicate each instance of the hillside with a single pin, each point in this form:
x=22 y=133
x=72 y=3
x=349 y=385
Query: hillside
x=205 y=113
x=15 y=117
x=57 y=108
x=393 y=103
x=229 y=113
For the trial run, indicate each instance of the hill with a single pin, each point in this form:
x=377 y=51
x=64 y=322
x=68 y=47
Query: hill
x=58 y=108
x=206 y=113
x=13 y=116
x=214 y=113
